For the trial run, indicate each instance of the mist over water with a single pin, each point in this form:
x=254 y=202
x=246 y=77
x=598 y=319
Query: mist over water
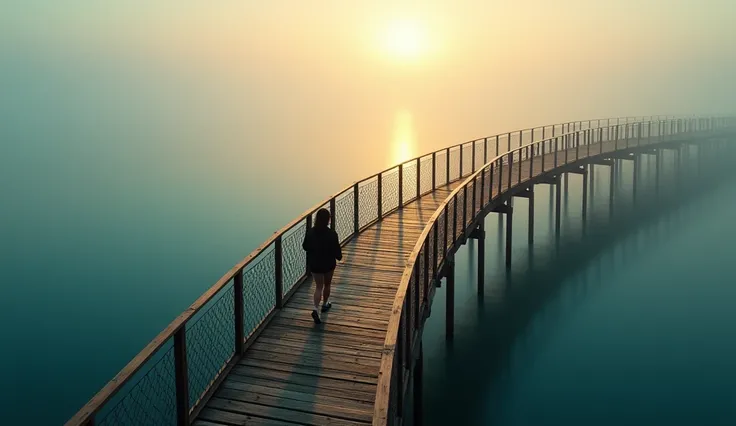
x=147 y=146
x=630 y=323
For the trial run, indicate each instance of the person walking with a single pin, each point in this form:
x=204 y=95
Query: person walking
x=323 y=251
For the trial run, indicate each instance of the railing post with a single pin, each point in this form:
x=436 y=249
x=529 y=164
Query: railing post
x=425 y=284
x=356 y=205
x=419 y=177
x=333 y=219
x=497 y=145
x=500 y=175
x=181 y=376
x=482 y=189
x=465 y=207
x=436 y=254
x=401 y=186
x=508 y=142
x=490 y=183
x=531 y=160
x=485 y=150
x=447 y=172
x=454 y=221
x=238 y=310
x=556 y=148
x=380 y=196
x=461 y=160
x=278 y=272
x=511 y=167
x=446 y=239
x=472 y=158
x=434 y=171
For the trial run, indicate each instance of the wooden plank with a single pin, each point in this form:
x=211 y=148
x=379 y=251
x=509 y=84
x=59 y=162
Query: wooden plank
x=298 y=354
x=304 y=379
x=351 y=396
x=335 y=410
x=299 y=395
x=311 y=362
x=321 y=372
x=304 y=347
x=212 y=417
x=274 y=413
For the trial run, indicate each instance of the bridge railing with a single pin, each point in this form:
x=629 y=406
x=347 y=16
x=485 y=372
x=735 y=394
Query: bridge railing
x=451 y=223
x=168 y=381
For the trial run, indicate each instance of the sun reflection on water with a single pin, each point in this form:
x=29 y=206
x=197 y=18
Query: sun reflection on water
x=404 y=140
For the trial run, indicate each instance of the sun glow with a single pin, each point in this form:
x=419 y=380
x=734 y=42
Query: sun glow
x=404 y=143
x=404 y=39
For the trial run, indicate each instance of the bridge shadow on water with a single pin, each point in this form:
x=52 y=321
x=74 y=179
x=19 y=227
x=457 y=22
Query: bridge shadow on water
x=461 y=374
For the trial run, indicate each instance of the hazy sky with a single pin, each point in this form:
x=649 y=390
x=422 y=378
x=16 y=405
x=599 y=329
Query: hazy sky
x=148 y=145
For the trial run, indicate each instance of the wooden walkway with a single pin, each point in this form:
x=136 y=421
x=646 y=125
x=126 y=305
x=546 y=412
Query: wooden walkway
x=297 y=372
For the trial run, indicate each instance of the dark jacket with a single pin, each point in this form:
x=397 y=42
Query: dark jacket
x=323 y=248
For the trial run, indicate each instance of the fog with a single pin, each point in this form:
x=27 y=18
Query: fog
x=147 y=146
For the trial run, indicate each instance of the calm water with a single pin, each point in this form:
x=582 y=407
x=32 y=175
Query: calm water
x=632 y=324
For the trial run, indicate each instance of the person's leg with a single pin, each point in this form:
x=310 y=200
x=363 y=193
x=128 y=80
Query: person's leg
x=326 y=290
x=319 y=281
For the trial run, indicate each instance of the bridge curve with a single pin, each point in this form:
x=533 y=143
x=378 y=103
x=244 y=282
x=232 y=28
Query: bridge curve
x=246 y=351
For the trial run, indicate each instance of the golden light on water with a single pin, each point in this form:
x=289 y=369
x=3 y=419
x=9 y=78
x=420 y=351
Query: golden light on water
x=404 y=141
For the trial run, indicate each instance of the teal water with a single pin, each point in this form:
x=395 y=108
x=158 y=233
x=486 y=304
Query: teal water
x=126 y=190
x=630 y=324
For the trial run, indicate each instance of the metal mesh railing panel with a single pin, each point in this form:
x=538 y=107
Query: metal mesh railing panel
x=294 y=260
x=454 y=164
x=390 y=190
x=259 y=295
x=148 y=399
x=426 y=175
x=410 y=181
x=210 y=341
x=460 y=202
x=441 y=219
x=344 y=213
x=422 y=275
x=451 y=223
x=368 y=202
x=441 y=168
x=467 y=159
x=478 y=146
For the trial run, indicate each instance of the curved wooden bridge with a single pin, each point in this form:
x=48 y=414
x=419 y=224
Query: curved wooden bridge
x=247 y=352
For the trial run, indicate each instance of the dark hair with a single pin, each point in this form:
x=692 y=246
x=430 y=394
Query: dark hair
x=322 y=219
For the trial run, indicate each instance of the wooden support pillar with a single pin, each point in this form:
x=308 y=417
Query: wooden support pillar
x=636 y=173
x=558 y=205
x=592 y=178
x=508 y=211
x=509 y=218
x=418 y=380
x=612 y=189
x=656 y=172
x=585 y=196
x=450 y=299
x=531 y=215
x=479 y=234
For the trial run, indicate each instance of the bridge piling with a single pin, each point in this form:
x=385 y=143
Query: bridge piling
x=558 y=206
x=612 y=188
x=634 y=180
x=418 y=383
x=450 y=298
x=585 y=196
x=508 y=211
x=479 y=234
x=531 y=215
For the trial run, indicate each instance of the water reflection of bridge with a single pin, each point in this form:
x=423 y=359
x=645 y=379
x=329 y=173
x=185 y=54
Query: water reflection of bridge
x=247 y=352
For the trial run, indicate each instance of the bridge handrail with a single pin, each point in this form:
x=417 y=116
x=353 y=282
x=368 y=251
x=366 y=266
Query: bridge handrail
x=163 y=385
x=435 y=243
